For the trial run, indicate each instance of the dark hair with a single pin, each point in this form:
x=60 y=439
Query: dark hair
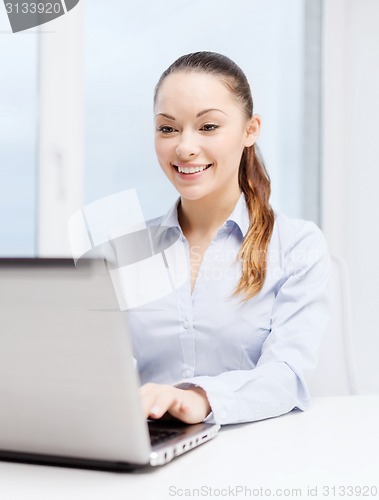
x=253 y=178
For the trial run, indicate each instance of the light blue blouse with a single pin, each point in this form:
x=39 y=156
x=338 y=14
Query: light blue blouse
x=250 y=357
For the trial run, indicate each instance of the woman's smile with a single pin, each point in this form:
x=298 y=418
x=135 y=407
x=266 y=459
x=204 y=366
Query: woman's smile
x=191 y=170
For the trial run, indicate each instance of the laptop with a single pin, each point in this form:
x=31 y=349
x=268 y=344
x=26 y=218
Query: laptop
x=69 y=388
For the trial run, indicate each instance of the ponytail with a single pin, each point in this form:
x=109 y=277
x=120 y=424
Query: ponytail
x=255 y=184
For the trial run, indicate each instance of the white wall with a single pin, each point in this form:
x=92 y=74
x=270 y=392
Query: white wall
x=351 y=164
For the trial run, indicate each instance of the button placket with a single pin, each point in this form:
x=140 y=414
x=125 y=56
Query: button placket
x=186 y=337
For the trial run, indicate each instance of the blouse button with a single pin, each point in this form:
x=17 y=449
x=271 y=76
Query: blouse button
x=186 y=325
x=186 y=373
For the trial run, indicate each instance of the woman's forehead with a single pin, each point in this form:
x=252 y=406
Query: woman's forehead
x=195 y=88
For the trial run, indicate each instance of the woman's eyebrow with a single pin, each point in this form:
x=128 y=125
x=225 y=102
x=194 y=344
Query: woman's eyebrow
x=201 y=113
x=166 y=116
x=208 y=110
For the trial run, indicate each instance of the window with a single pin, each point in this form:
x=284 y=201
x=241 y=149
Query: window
x=18 y=135
x=125 y=55
x=92 y=116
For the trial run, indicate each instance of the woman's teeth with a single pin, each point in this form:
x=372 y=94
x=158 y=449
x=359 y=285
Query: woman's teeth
x=192 y=170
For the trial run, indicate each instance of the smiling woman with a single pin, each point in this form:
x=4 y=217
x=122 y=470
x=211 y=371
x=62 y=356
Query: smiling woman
x=211 y=139
x=233 y=343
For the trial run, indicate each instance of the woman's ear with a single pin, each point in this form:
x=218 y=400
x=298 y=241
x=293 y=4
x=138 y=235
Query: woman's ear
x=253 y=128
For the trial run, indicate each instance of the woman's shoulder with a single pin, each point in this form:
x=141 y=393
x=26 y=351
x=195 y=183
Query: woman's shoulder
x=292 y=234
x=287 y=223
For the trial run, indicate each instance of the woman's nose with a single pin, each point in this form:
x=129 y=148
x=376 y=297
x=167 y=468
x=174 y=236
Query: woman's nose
x=187 y=147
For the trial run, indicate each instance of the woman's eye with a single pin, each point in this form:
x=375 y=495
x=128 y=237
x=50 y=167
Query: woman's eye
x=166 y=129
x=209 y=127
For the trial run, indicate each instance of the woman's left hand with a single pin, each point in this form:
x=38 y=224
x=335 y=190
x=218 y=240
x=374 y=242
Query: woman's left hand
x=188 y=405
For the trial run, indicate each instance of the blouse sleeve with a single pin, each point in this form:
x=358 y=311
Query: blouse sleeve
x=276 y=385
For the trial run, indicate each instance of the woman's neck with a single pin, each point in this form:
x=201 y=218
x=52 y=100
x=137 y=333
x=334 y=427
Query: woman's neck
x=206 y=215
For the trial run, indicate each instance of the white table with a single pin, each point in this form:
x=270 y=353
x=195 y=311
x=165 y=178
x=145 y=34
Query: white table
x=335 y=444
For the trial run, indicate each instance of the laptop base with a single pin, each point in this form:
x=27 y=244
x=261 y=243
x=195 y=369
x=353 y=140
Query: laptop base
x=68 y=462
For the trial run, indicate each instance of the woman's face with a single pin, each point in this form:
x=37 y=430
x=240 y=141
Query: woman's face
x=201 y=132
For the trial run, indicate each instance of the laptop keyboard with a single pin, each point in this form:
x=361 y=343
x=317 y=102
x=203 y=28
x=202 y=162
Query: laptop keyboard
x=158 y=436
